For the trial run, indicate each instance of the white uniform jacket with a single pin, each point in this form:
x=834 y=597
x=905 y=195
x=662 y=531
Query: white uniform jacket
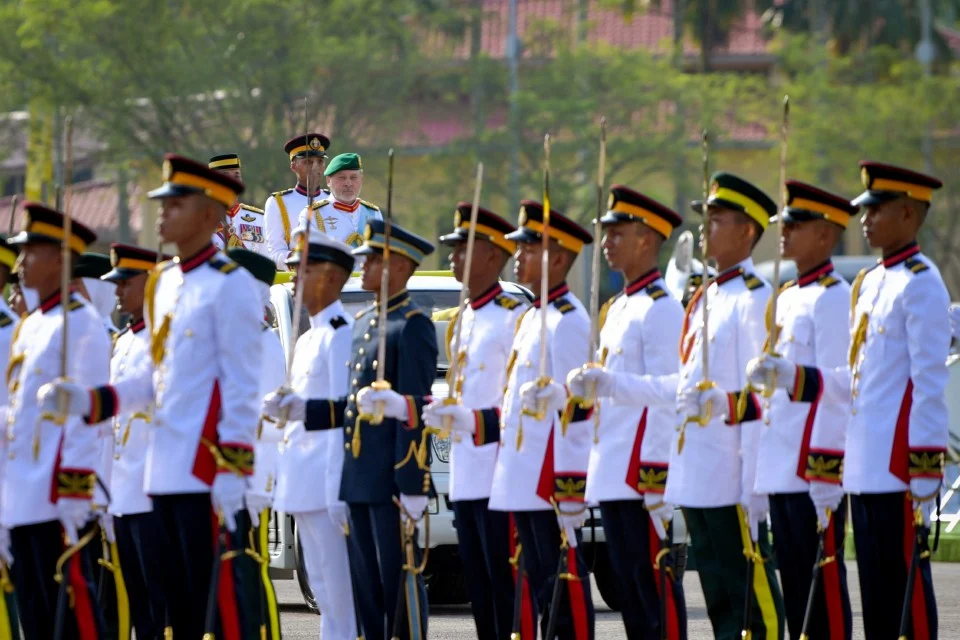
x=719 y=459
x=278 y=219
x=640 y=333
x=805 y=441
x=266 y=451
x=311 y=454
x=66 y=456
x=343 y=222
x=204 y=317
x=537 y=460
x=8 y=321
x=245 y=227
x=486 y=339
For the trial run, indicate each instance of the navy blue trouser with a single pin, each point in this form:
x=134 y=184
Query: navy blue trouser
x=483 y=537
x=138 y=537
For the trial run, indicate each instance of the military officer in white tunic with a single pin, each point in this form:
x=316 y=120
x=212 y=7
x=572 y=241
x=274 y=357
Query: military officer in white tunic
x=894 y=381
x=628 y=468
x=541 y=468
x=308 y=157
x=712 y=468
x=244 y=225
x=8 y=321
x=50 y=471
x=341 y=214
x=484 y=537
x=311 y=454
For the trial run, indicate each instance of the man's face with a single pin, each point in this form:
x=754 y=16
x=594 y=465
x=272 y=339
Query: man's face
x=372 y=272
x=183 y=218
x=309 y=170
x=130 y=294
x=345 y=185
x=727 y=231
x=39 y=264
x=483 y=255
x=527 y=267
x=883 y=223
x=621 y=243
x=232 y=173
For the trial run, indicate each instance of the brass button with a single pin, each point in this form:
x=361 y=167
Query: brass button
x=374 y=364
x=346 y=446
x=855 y=393
x=880 y=329
x=354 y=382
x=373 y=322
x=619 y=351
x=528 y=364
x=790 y=339
x=366 y=336
x=349 y=413
x=361 y=351
x=481 y=366
x=116 y=456
x=351 y=397
x=358 y=366
x=348 y=430
x=188 y=333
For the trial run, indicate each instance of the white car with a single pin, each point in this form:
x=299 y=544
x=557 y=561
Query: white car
x=433 y=292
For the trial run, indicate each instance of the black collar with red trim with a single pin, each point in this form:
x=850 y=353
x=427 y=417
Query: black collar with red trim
x=189 y=264
x=486 y=297
x=138 y=326
x=897 y=257
x=53 y=301
x=556 y=292
x=643 y=281
x=730 y=274
x=303 y=190
x=815 y=274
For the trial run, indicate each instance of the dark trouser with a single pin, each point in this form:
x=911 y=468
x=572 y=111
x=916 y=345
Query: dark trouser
x=884 y=534
x=540 y=537
x=483 y=537
x=633 y=546
x=718 y=537
x=138 y=538
x=188 y=533
x=376 y=565
x=36 y=548
x=793 y=520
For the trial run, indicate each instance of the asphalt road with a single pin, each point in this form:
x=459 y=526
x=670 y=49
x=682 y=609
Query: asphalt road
x=455 y=623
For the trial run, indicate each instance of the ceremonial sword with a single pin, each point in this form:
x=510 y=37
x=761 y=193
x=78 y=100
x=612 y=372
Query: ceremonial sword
x=592 y=360
x=818 y=564
x=13 y=213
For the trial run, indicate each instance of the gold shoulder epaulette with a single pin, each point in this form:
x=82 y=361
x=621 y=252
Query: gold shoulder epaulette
x=563 y=305
x=320 y=203
x=250 y=207
x=5 y=321
x=915 y=265
x=605 y=309
x=507 y=302
x=655 y=291
x=827 y=281
x=74 y=305
x=277 y=194
x=369 y=205
x=752 y=281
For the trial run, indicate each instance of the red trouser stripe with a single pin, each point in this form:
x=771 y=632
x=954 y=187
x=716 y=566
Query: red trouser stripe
x=672 y=621
x=527 y=625
x=578 y=603
x=831 y=586
x=918 y=602
x=83 y=607
x=226 y=594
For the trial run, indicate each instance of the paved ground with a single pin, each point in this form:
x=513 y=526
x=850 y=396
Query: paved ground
x=455 y=623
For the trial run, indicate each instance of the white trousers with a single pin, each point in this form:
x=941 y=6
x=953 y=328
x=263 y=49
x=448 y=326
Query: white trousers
x=328 y=573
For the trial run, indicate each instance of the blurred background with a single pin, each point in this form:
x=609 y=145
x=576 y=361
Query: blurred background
x=450 y=82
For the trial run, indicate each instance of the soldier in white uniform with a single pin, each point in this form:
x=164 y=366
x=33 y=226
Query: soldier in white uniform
x=244 y=225
x=542 y=462
x=308 y=157
x=342 y=215
x=895 y=383
x=204 y=320
x=311 y=456
x=484 y=537
x=628 y=468
x=712 y=468
x=8 y=321
x=49 y=475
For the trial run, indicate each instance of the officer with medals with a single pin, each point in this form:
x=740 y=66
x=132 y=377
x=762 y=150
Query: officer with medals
x=484 y=537
x=894 y=382
x=388 y=463
x=308 y=157
x=628 y=469
x=797 y=460
x=204 y=320
x=8 y=322
x=135 y=524
x=342 y=215
x=312 y=453
x=49 y=474
x=244 y=225
x=541 y=468
x=712 y=468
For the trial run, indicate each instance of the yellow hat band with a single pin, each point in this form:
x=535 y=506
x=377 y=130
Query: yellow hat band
x=831 y=214
x=7 y=257
x=55 y=232
x=565 y=240
x=494 y=236
x=750 y=207
x=136 y=265
x=302 y=148
x=213 y=190
x=915 y=191
x=226 y=163
x=649 y=218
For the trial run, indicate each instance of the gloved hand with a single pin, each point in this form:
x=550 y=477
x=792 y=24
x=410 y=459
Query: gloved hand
x=413 y=506
x=73 y=514
x=275 y=402
x=955 y=320
x=660 y=512
x=256 y=503
x=553 y=396
x=570 y=521
x=826 y=496
x=924 y=492
x=394 y=404
x=78 y=398
x=463 y=419
x=106 y=523
x=226 y=495
x=338 y=514
x=6 y=553
x=692 y=403
x=760 y=369
x=756 y=506
x=580 y=382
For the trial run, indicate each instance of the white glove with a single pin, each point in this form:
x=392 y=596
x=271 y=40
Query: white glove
x=106 y=523
x=760 y=369
x=580 y=381
x=553 y=396
x=756 y=506
x=256 y=503
x=955 y=320
x=394 y=404
x=660 y=512
x=692 y=403
x=570 y=522
x=226 y=495
x=338 y=514
x=73 y=514
x=6 y=553
x=276 y=401
x=413 y=506
x=78 y=398
x=825 y=496
x=463 y=418
x=924 y=492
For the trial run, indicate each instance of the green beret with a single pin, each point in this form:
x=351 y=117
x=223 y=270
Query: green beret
x=343 y=162
x=263 y=269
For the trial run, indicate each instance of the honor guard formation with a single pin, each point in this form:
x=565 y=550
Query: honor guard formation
x=142 y=468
